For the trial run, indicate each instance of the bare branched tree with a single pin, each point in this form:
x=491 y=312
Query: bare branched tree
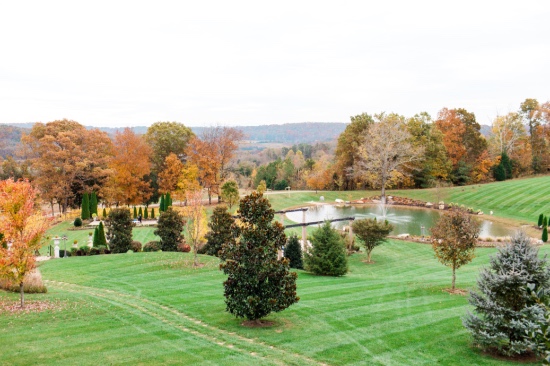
x=386 y=148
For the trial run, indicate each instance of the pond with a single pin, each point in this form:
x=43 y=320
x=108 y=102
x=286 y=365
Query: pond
x=405 y=220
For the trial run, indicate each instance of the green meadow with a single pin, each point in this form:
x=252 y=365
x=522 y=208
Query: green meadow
x=154 y=308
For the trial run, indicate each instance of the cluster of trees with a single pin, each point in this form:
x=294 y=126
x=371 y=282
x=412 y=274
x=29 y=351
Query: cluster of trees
x=65 y=160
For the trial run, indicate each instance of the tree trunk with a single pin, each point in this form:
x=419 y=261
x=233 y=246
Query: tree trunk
x=454 y=278
x=53 y=212
x=195 y=262
x=22 y=292
x=368 y=255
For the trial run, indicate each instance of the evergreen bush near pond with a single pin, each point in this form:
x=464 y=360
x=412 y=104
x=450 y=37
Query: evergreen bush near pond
x=327 y=255
x=293 y=251
x=504 y=313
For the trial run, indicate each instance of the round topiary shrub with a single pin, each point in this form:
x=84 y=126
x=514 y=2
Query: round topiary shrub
x=152 y=246
x=184 y=247
x=136 y=246
x=77 y=222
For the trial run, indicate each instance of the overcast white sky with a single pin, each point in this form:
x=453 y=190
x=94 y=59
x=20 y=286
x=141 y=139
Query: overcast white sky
x=130 y=63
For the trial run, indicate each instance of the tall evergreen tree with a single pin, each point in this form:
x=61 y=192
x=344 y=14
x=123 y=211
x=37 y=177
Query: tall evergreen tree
x=170 y=227
x=327 y=255
x=167 y=201
x=257 y=283
x=293 y=251
x=222 y=230
x=95 y=242
x=504 y=313
x=135 y=213
x=120 y=230
x=544 y=221
x=85 y=214
x=104 y=214
x=93 y=204
x=544 y=234
x=539 y=223
x=153 y=213
x=145 y=213
x=161 y=205
x=140 y=212
x=102 y=240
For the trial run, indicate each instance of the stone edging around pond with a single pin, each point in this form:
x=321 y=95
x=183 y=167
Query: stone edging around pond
x=480 y=244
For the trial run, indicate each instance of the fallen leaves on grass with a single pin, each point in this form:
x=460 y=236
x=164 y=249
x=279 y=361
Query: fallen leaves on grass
x=33 y=306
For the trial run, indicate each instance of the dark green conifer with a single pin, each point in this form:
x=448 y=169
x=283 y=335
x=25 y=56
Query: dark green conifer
x=85 y=214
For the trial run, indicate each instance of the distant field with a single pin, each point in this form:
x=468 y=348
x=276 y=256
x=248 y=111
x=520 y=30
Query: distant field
x=151 y=308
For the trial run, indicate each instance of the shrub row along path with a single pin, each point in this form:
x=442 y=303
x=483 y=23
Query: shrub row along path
x=151 y=311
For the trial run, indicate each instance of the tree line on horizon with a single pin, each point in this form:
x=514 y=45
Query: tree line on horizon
x=64 y=159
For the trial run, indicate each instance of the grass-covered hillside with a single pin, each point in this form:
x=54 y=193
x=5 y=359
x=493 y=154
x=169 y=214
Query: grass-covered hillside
x=152 y=308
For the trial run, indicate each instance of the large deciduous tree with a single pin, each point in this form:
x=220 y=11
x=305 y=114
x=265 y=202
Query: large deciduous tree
x=257 y=282
x=386 y=148
x=67 y=159
x=129 y=166
x=212 y=154
x=23 y=226
x=454 y=238
x=347 y=150
x=167 y=138
x=168 y=178
x=504 y=313
x=371 y=233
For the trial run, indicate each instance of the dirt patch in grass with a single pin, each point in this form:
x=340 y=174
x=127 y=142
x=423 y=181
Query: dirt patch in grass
x=528 y=357
x=32 y=306
x=258 y=323
x=456 y=291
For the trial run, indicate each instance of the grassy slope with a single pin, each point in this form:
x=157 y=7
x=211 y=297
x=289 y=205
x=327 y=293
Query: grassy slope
x=150 y=307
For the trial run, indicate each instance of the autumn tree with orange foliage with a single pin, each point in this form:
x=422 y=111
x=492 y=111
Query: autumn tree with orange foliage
x=66 y=159
x=168 y=178
x=212 y=154
x=464 y=143
x=129 y=166
x=23 y=226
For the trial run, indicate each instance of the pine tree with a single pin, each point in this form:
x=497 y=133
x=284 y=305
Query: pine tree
x=101 y=239
x=85 y=214
x=257 y=283
x=93 y=204
x=95 y=242
x=104 y=214
x=504 y=313
x=145 y=213
x=161 y=205
x=327 y=255
x=135 y=213
x=167 y=201
x=545 y=221
x=153 y=213
x=539 y=223
x=293 y=251
x=544 y=234
x=140 y=212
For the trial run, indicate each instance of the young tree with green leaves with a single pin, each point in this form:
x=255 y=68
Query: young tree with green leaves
x=454 y=238
x=257 y=282
x=293 y=251
x=504 y=313
x=230 y=192
x=371 y=233
x=327 y=255
x=120 y=226
x=169 y=228
x=85 y=213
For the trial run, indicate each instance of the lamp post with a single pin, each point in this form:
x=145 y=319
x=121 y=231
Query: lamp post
x=64 y=238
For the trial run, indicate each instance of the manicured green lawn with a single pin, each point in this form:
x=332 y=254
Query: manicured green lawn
x=152 y=308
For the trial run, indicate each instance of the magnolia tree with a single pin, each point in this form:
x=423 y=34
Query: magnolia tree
x=257 y=282
x=23 y=227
